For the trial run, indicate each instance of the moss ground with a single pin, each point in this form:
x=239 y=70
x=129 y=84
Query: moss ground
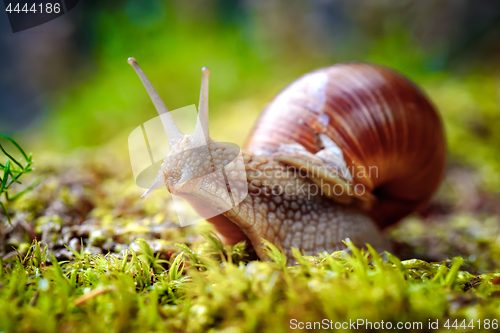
x=103 y=260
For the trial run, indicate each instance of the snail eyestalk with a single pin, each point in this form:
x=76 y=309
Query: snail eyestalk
x=202 y=125
x=174 y=135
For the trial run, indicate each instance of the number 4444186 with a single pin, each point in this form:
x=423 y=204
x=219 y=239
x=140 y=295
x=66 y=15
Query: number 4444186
x=479 y=324
x=47 y=8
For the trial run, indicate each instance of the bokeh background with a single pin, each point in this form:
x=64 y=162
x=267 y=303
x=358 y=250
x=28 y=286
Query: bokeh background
x=66 y=86
x=68 y=96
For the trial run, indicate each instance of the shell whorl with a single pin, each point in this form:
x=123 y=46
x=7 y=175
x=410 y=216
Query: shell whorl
x=390 y=133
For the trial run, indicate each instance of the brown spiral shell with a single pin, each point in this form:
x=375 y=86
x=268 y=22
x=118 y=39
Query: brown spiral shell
x=378 y=117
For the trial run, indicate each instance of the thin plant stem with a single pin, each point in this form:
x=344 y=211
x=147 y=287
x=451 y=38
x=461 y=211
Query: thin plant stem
x=13 y=169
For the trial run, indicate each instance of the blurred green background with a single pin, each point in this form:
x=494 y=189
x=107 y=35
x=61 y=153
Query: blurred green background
x=66 y=84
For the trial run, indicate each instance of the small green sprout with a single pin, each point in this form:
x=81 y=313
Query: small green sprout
x=11 y=171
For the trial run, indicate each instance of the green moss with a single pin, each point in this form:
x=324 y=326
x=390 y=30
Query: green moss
x=207 y=289
x=109 y=262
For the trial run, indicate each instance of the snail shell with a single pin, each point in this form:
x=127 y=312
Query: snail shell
x=389 y=132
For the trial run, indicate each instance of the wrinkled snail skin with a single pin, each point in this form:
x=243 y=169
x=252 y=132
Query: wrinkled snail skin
x=307 y=221
x=375 y=116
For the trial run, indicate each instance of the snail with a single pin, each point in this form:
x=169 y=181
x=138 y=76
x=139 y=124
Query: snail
x=342 y=152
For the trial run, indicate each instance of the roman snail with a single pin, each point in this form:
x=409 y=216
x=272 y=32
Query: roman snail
x=340 y=153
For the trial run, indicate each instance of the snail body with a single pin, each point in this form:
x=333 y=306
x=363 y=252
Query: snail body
x=340 y=153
